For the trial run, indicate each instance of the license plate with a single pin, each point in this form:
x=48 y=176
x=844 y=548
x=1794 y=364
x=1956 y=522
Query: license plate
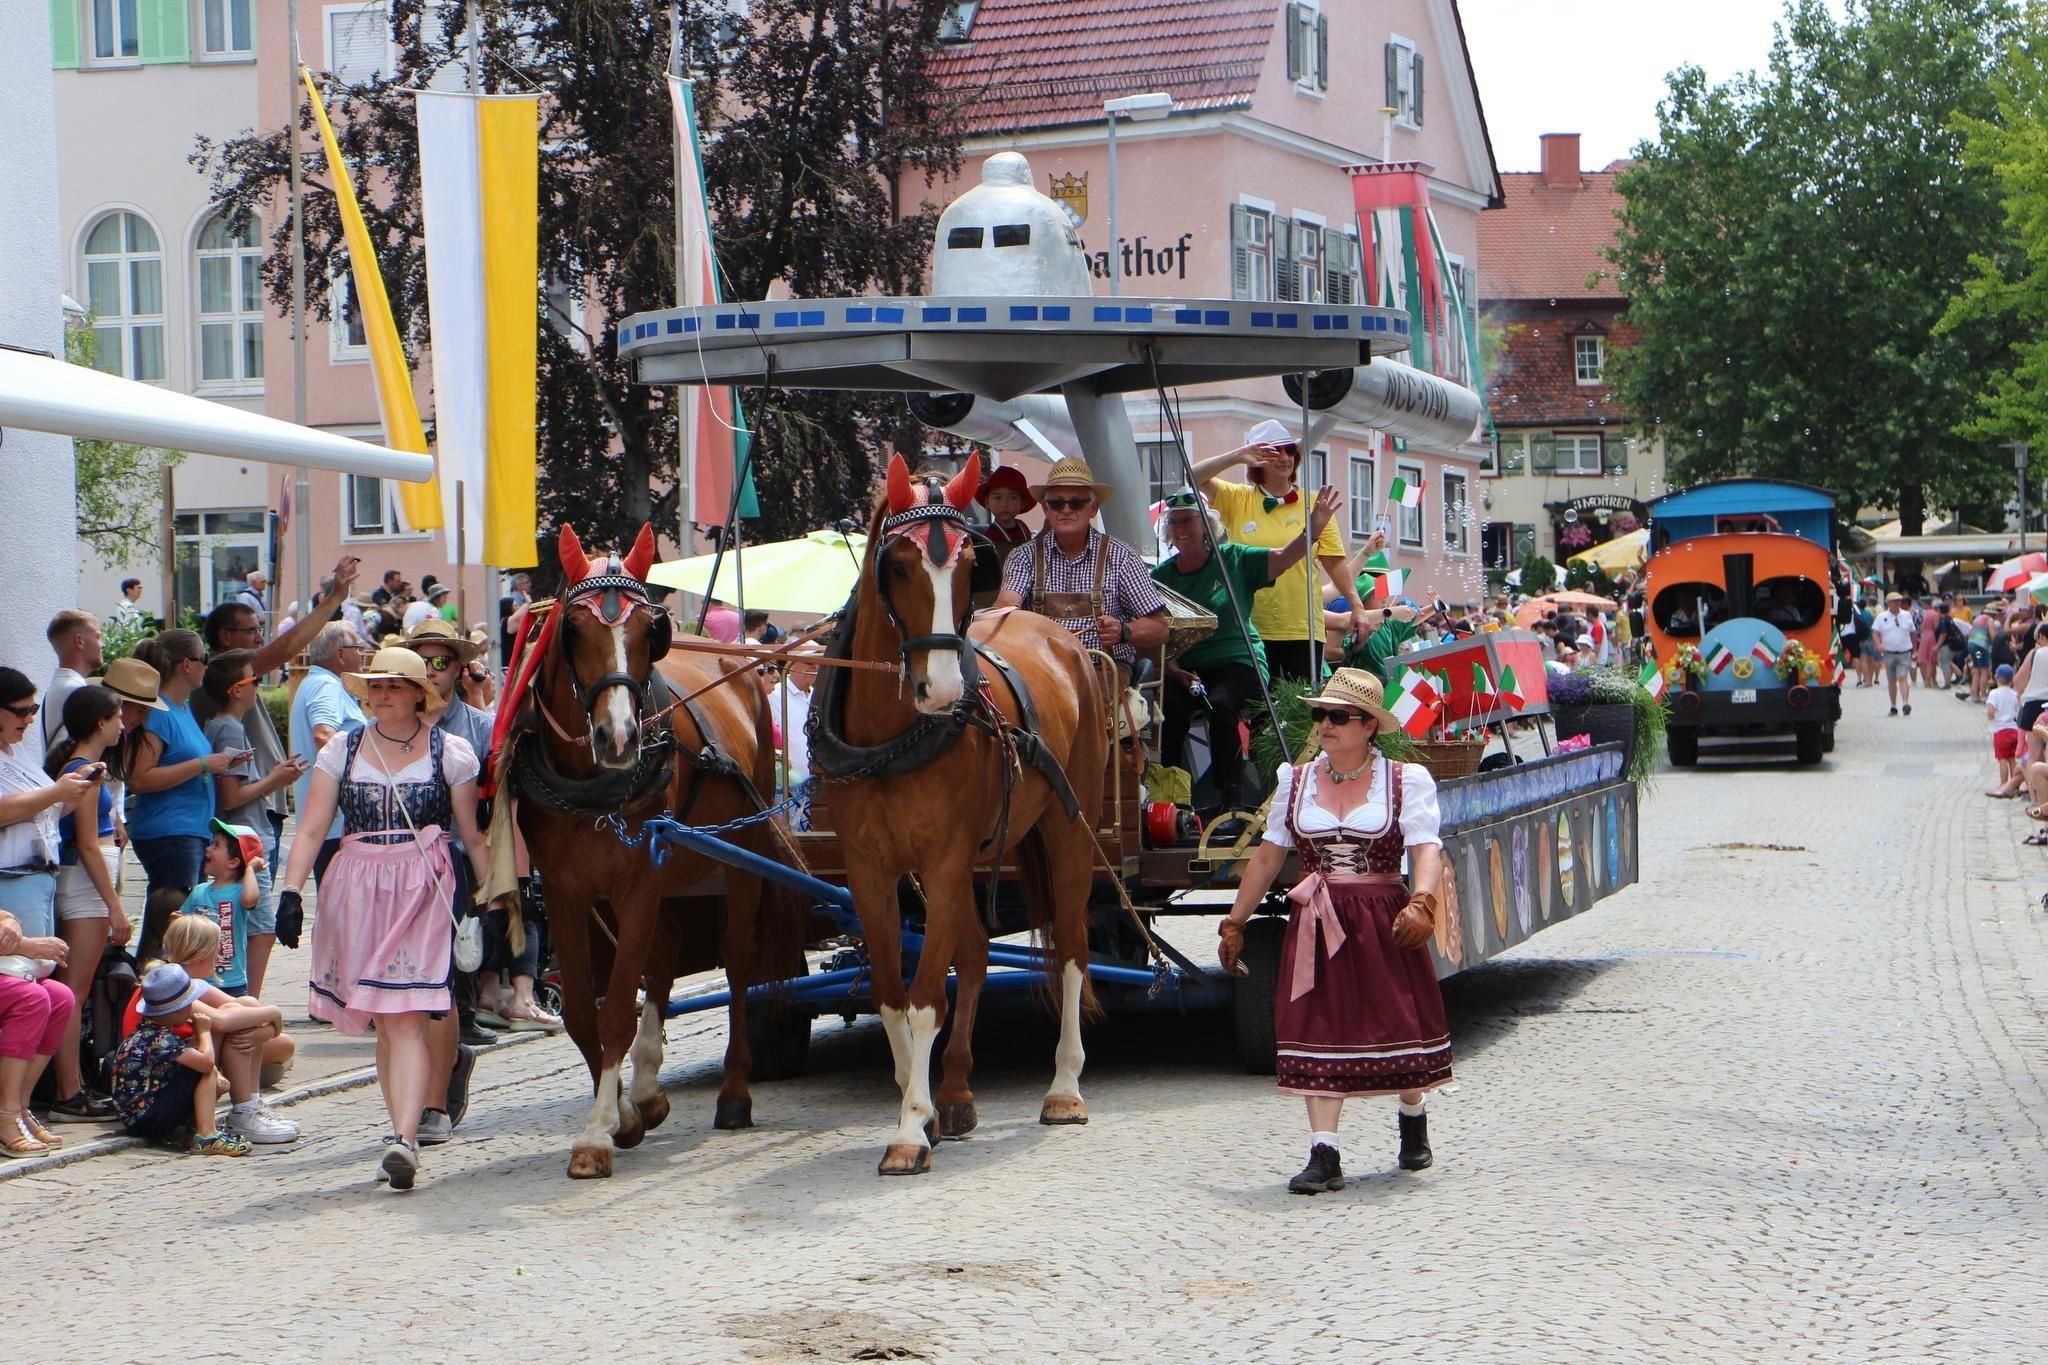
x=1743 y=694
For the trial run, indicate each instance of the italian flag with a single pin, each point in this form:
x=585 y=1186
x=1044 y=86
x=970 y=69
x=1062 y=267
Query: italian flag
x=1483 y=690
x=1405 y=493
x=1652 y=679
x=1763 y=651
x=1388 y=585
x=1410 y=708
x=1511 y=688
x=1719 y=657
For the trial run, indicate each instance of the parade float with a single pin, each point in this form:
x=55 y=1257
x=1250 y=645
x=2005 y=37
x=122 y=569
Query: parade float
x=1012 y=349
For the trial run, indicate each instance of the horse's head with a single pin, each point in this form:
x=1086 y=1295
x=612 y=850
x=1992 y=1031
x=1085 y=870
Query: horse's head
x=921 y=558
x=610 y=637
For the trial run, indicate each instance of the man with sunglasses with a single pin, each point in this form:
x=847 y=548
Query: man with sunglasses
x=1085 y=579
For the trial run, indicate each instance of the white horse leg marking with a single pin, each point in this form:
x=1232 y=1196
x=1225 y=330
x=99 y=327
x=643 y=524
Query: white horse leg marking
x=646 y=1054
x=897 y=1026
x=942 y=680
x=604 y=1112
x=1067 y=1060
x=922 y=1027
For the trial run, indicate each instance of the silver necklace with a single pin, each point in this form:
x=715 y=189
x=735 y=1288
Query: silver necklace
x=1341 y=778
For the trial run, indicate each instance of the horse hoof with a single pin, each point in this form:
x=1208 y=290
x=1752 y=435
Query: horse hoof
x=630 y=1130
x=905 y=1158
x=956 y=1119
x=653 y=1110
x=590 y=1163
x=1063 y=1109
x=734 y=1113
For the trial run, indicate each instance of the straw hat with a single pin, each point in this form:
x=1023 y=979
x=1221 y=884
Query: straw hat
x=1072 y=472
x=134 y=680
x=436 y=631
x=1359 y=690
x=1270 y=433
x=1012 y=478
x=392 y=661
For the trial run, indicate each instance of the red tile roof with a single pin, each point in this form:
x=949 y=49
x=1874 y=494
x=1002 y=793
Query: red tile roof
x=1547 y=239
x=1045 y=63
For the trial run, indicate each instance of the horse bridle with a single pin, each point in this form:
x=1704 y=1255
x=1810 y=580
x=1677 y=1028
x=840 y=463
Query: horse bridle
x=942 y=517
x=619 y=596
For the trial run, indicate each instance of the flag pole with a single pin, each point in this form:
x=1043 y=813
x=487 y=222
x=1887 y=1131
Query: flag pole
x=686 y=487
x=304 y=497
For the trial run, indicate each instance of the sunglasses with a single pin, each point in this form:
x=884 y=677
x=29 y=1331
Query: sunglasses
x=438 y=663
x=241 y=682
x=1067 y=504
x=25 y=712
x=1324 y=716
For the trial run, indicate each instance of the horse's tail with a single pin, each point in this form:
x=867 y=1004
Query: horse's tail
x=1034 y=874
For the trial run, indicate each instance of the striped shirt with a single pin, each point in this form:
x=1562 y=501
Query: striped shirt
x=1128 y=592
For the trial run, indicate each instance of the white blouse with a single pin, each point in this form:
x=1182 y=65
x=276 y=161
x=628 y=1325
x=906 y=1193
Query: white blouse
x=1418 y=806
x=33 y=840
x=458 y=760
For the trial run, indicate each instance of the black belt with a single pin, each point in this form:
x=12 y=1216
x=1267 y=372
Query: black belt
x=33 y=869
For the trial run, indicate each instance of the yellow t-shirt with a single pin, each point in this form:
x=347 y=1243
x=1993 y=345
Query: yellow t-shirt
x=1281 y=611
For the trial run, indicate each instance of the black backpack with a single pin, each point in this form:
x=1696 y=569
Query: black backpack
x=99 y=1023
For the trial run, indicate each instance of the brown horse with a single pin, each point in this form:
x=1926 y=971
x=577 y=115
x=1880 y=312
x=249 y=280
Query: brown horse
x=590 y=752
x=936 y=812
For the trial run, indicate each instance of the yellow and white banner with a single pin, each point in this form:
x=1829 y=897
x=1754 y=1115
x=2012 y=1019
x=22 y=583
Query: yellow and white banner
x=479 y=190
x=395 y=402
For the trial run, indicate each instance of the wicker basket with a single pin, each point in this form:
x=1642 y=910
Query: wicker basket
x=1188 y=623
x=1451 y=758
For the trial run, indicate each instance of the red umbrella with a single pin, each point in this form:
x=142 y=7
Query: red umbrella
x=2013 y=572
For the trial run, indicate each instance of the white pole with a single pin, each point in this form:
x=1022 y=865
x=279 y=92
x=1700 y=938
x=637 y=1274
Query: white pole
x=1115 y=272
x=686 y=488
x=302 y=495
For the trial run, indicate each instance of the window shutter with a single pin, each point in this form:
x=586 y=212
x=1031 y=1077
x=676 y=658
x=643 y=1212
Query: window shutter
x=1514 y=455
x=1294 y=52
x=1525 y=542
x=64 y=47
x=1393 y=55
x=359 y=43
x=1614 y=454
x=163 y=31
x=1543 y=452
x=1286 y=275
x=1340 y=268
x=1415 y=89
x=1322 y=52
x=1240 y=254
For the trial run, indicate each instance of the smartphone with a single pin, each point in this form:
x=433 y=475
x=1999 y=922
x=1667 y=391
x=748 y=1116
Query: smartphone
x=244 y=755
x=94 y=772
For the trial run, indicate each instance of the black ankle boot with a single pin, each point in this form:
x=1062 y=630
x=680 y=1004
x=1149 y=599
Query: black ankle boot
x=1323 y=1172
x=1415 y=1153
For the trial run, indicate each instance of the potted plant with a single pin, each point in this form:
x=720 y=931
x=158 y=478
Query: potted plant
x=1609 y=706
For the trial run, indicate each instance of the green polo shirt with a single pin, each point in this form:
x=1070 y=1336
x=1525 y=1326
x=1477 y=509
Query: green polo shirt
x=1246 y=566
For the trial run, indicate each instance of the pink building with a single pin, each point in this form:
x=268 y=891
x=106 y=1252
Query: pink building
x=1241 y=191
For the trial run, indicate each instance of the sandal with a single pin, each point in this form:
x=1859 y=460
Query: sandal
x=16 y=1141
x=530 y=1019
x=2038 y=839
x=37 y=1131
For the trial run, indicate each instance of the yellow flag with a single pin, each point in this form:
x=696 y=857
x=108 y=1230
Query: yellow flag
x=508 y=157
x=402 y=429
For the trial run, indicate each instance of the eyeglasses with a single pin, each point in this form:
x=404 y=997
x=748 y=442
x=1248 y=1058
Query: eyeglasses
x=438 y=663
x=25 y=712
x=1324 y=716
x=1067 y=504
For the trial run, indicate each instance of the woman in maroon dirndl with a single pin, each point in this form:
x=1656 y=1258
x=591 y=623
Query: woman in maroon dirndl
x=1357 y=1011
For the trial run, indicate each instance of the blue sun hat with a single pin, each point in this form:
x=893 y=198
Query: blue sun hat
x=166 y=989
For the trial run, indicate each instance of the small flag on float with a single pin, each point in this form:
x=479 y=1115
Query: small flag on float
x=1763 y=651
x=1652 y=679
x=1405 y=493
x=1407 y=703
x=1511 y=688
x=1388 y=584
x=1483 y=690
x=1719 y=657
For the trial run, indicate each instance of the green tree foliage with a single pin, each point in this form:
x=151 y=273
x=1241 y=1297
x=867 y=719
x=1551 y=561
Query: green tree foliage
x=120 y=486
x=1789 y=242
x=812 y=109
x=2009 y=293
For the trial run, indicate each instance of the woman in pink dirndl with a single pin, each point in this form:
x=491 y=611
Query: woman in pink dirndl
x=383 y=942
x=1357 y=1012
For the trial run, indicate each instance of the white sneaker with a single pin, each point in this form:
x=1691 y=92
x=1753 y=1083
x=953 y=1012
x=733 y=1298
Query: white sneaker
x=260 y=1126
x=400 y=1163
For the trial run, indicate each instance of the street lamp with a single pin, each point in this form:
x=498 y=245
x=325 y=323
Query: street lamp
x=1141 y=108
x=2019 y=464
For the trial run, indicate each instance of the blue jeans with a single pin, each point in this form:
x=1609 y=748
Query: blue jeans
x=173 y=862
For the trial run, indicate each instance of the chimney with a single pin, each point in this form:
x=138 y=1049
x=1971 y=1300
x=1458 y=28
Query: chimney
x=1561 y=160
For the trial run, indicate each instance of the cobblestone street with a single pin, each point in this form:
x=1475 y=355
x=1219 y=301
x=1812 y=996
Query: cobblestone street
x=1783 y=1100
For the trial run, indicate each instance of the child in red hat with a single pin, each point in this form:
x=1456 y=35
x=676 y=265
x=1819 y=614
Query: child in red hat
x=1007 y=497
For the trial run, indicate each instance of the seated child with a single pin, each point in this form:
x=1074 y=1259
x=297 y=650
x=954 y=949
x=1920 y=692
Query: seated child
x=1007 y=497
x=246 y=1030
x=162 y=1073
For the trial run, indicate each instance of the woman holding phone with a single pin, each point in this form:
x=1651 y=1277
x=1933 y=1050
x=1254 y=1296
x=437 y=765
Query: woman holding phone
x=241 y=791
x=170 y=769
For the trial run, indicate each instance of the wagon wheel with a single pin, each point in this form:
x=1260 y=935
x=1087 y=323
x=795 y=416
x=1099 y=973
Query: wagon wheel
x=1251 y=1003
x=779 y=1036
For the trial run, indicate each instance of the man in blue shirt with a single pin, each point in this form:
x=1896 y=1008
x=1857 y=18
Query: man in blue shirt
x=322 y=709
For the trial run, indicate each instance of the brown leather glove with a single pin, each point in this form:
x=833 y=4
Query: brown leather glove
x=1416 y=921
x=1230 y=943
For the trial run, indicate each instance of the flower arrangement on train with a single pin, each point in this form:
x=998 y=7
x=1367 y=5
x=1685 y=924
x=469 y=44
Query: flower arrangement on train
x=1687 y=667
x=1796 y=664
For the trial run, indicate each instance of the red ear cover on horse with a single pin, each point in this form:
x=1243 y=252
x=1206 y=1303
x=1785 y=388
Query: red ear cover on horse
x=961 y=488
x=901 y=496
x=641 y=557
x=575 y=564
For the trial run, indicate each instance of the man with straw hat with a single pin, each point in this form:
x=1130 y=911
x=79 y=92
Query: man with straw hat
x=1085 y=579
x=1357 y=1011
x=1892 y=632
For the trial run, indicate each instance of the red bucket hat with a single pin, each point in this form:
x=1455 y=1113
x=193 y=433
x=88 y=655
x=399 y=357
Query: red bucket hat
x=1012 y=478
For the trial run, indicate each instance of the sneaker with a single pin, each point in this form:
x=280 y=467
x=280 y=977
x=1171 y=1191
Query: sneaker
x=458 y=1084
x=260 y=1126
x=476 y=1035
x=1909 y=708
x=400 y=1163
x=87 y=1106
x=1323 y=1172
x=1895 y=710
x=435 y=1127
x=219 y=1144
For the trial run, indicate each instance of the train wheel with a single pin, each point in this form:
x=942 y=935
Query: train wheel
x=779 y=1036
x=1251 y=1004
x=1684 y=745
x=1808 y=742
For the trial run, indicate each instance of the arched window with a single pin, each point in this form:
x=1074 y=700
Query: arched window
x=124 y=288
x=230 y=305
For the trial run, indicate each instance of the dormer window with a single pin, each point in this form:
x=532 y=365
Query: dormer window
x=956 y=25
x=1589 y=358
